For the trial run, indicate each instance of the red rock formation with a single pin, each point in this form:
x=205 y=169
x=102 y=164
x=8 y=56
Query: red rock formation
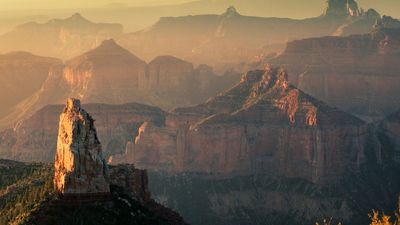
x=262 y=125
x=80 y=167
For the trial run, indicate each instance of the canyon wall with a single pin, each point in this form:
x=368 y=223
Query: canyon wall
x=358 y=74
x=262 y=125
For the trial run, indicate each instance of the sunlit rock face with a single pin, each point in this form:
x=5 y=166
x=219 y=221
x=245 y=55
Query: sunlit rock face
x=80 y=167
x=276 y=129
x=261 y=125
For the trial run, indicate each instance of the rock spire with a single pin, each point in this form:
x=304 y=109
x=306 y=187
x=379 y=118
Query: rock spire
x=80 y=167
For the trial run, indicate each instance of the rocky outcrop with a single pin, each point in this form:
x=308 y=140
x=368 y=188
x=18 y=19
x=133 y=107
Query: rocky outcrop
x=80 y=167
x=358 y=74
x=131 y=180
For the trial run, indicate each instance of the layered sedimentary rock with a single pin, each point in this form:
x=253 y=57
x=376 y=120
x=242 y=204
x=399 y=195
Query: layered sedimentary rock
x=80 y=167
x=359 y=73
x=262 y=125
x=21 y=75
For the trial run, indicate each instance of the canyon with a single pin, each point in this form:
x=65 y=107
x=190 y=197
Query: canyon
x=225 y=135
x=262 y=140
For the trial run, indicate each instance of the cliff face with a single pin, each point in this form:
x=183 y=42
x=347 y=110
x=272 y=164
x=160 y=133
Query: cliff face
x=80 y=167
x=22 y=74
x=262 y=125
x=280 y=129
x=357 y=73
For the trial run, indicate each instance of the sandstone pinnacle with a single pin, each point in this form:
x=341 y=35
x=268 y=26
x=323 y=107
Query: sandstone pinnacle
x=80 y=167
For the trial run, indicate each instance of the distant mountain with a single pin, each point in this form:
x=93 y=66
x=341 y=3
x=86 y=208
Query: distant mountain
x=359 y=73
x=223 y=40
x=62 y=38
x=21 y=75
x=111 y=74
x=231 y=38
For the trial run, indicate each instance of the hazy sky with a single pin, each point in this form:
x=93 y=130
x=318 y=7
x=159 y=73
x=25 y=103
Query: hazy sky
x=276 y=8
x=79 y=3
